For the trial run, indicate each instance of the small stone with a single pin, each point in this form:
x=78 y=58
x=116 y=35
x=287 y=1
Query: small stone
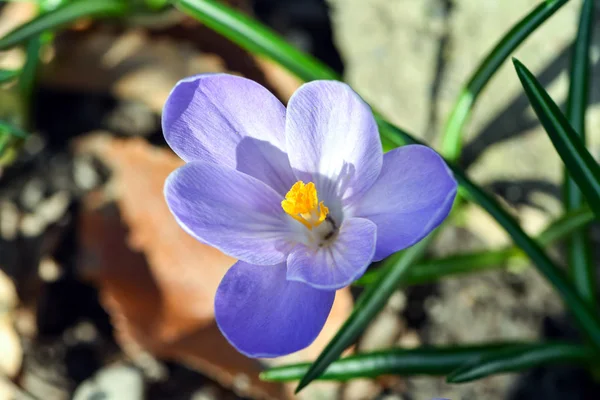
x=25 y=323
x=10 y=347
x=392 y=397
x=361 y=389
x=54 y=207
x=409 y=340
x=84 y=174
x=382 y=332
x=319 y=391
x=10 y=344
x=116 y=382
x=9 y=220
x=397 y=301
x=206 y=393
x=32 y=225
x=49 y=270
x=8 y=293
x=133 y=118
x=32 y=194
x=86 y=332
x=34 y=144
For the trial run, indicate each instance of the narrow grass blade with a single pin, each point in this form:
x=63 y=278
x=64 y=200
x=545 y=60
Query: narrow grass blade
x=367 y=307
x=436 y=361
x=29 y=74
x=63 y=15
x=11 y=137
x=255 y=37
x=515 y=360
x=433 y=270
x=6 y=128
x=452 y=139
x=581 y=165
x=585 y=316
x=7 y=75
x=578 y=246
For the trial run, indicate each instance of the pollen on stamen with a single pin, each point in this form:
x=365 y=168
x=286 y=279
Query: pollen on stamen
x=302 y=204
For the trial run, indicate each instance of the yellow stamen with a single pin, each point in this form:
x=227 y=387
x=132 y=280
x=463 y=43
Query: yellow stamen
x=302 y=204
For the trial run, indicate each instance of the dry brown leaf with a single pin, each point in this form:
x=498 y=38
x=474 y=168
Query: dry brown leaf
x=176 y=259
x=161 y=296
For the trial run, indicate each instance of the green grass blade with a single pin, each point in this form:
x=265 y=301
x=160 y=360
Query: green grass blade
x=7 y=75
x=582 y=166
x=452 y=139
x=255 y=37
x=515 y=360
x=436 y=361
x=29 y=74
x=586 y=318
x=578 y=247
x=63 y=15
x=5 y=127
x=11 y=137
x=367 y=307
x=433 y=270
x=584 y=315
x=566 y=225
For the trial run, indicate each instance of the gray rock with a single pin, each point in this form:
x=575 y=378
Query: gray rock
x=116 y=382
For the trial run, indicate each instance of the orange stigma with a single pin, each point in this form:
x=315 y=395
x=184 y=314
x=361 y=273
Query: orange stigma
x=302 y=204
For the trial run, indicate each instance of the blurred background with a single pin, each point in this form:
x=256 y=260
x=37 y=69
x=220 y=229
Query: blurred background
x=103 y=296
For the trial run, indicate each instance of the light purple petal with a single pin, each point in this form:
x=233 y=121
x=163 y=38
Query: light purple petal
x=332 y=140
x=264 y=315
x=234 y=212
x=231 y=121
x=339 y=264
x=411 y=197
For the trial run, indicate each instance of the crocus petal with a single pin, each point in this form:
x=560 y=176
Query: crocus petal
x=332 y=140
x=231 y=121
x=412 y=196
x=234 y=212
x=264 y=315
x=338 y=264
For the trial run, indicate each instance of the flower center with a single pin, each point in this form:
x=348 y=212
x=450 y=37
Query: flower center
x=302 y=204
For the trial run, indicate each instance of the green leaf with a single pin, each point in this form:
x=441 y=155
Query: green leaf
x=436 y=361
x=433 y=270
x=579 y=254
x=367 y=307
x=63 y=15
x=6 y=128
x=11 y=138
x=7 y=75
x=514 y=360
x=452 y=138
x=29 y=75
x=582 y=166
x=255 y=37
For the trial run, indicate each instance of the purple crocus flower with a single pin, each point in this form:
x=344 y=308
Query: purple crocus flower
x=304 y=198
